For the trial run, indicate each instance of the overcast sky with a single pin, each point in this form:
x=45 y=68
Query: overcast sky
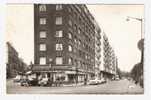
x=123 y=35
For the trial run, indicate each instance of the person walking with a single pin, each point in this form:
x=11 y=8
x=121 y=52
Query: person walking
x=85 y=81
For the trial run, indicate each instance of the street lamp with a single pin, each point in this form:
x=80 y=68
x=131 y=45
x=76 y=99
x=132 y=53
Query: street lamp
x=141 y=40
x=141 y=47
x=76 y=75
x=51 y=69
x=138 y=19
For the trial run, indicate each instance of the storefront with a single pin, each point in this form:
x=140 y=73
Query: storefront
x=65 y=75
x=107 y=75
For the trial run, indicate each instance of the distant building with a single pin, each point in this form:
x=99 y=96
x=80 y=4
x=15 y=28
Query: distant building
x=109 y=59
x=14 y=64
x=97 y=51
x=64 y=41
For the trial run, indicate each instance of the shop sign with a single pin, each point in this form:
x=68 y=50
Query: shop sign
x=70 y=72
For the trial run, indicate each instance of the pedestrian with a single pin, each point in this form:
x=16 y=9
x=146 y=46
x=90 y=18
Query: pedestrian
x=85 y=81
x=57 y=81
x=50 y=82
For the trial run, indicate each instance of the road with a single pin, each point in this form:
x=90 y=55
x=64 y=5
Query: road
x=111 y=87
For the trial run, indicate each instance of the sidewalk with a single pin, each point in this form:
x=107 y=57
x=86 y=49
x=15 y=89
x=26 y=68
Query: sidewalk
x=74 y=84
x=11 y=83
x=135 y=87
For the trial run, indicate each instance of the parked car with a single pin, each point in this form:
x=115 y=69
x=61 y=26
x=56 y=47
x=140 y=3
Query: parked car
x=96 y=81
x=93 y=82
x=24 y=82
x=117 y=78
x=28 y=80
x=17 y=78
x=103 y=81
x=43 y=81
x=33 y=82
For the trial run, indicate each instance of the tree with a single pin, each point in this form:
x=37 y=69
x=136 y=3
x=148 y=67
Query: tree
x=122 y=73
x=137 y=73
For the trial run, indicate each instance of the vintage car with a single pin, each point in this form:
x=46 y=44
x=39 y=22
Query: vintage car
x=17 y=78
x=96 y=81
x=43 y=81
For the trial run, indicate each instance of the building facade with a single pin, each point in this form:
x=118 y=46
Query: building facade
x=109 y=59
x=98 y=50
x=64 y=42
x=14 y=64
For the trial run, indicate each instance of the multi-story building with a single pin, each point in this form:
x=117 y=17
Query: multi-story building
x=97 y=51
x=64 y=41
x=109 y=61
x=14 y=64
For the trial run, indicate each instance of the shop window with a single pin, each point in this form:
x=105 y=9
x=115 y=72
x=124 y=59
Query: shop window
x=42 y=61
x=59 y=60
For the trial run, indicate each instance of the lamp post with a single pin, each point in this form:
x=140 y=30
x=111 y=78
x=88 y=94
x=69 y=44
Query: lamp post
x=141 y=42
x=141 y=47
x=51 y=69
x=138 y=19
x=76 y=75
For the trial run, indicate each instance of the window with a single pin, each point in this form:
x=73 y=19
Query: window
x=59 y=47
x=42 y=8
x=70 y=48
x=42 y=34
x=83 y=45
x=69 y=35
x=74 y=50
x=70 y=22
x=59 y=60
x=70 y=61
x=69 y=9
x=59 y=33
x=79 y=31
x=79 y=64
x=79 y=42
x=75 y=40
x=42 y=61
x=42 y=21
x=75 y=27
x=58 y=7
x=42 y=47
x=80 y=19
x=58 y=20
x=75 y=62
x=86 y=57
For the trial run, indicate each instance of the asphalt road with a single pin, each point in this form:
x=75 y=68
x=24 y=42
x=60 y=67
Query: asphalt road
x=112 y=87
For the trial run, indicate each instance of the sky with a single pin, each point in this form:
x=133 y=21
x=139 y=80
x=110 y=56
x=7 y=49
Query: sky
x=123 y=35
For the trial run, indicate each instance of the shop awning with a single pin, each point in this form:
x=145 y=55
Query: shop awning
x=41 y=68
x=46 y=68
